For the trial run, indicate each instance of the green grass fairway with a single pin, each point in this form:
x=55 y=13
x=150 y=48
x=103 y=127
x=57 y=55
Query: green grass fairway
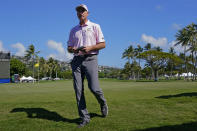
x=133 y=106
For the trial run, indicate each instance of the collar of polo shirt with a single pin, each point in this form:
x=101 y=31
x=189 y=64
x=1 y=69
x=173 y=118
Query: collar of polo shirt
x=86 y=24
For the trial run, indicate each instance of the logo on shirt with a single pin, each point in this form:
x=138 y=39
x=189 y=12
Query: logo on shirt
x=89 y=29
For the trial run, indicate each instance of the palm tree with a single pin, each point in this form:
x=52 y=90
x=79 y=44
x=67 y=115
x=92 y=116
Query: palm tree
x=56 y=67
x=44 y=68
x=182 y=38
x=171 y=51
x=157 y=48
x=147 y=46
x=139 y=50
x=192 y=34
x=31 y=54
x=130 y=53
x=51 y=64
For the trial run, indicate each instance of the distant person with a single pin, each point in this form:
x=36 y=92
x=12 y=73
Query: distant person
x=85 y=41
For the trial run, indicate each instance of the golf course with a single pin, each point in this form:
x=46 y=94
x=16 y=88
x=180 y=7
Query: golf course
x=133 y=106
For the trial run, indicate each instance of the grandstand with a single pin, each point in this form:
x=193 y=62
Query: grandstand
x=4 y=67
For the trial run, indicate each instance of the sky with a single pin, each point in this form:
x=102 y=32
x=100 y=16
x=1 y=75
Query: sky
x=47 y=23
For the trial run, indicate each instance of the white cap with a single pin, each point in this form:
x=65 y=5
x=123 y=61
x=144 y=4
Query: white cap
x=82 y=6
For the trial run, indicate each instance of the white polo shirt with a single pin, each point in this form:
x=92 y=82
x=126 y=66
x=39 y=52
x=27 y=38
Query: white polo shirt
x=86 y=35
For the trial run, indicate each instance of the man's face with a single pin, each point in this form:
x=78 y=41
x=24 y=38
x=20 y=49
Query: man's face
x=82 y=14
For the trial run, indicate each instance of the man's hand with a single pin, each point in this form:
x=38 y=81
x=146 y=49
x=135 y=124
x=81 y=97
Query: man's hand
x=72 y=49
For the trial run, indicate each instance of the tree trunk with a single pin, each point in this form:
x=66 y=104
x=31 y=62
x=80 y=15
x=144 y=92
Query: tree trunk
x=33 y=68
x=156 y=75
x=139 y=70
x=195 y=65
x=171 y=71
x=133 y=75
x=186 y=62
x=138 y=74
x=153 y=76
x=194 y=68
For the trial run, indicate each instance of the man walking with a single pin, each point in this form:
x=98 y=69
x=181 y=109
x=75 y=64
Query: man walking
x=85 y=41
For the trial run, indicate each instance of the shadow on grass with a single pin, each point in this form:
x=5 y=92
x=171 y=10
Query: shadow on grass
x=178 y=95
x=192 y=126
x=42 y=113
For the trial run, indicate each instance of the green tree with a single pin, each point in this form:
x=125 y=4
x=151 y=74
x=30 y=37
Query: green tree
x=146 y=72
x=43 y=67
x=158 y=60
x=187 y=37
x=51 y=63
x=182 y=38
x=157 y=48
x=66 y=74
x=192 y=34
x=42 y=61
x=147 y=46
x=139 y=50
x=17 y=67
x=56 y=68
x=101 y=75
x=31 y=54
x=171 y=62
x=127 y=70
x=130 y=54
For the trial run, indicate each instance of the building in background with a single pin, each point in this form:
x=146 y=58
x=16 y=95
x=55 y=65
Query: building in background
x=4 y=67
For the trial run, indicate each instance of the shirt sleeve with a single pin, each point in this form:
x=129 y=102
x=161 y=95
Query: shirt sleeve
x=99 y=35
x=70 y=41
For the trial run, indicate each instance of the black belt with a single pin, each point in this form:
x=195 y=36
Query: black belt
x=86 y=55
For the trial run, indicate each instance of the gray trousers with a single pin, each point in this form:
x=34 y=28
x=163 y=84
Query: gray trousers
x=86 y=66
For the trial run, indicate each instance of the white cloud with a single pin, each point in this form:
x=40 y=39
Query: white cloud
x=176 y=26
x=62 y=54
x=161 y=41
x=57 y=46
x=20 y=49
x=1 y=46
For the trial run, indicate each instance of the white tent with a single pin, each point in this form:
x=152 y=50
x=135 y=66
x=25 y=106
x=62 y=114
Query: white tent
x=23 y=79
x=166 y=75
x=27 y=79
x=30 y=78
x=185 y=74
x=177 y=75
x=190 y=74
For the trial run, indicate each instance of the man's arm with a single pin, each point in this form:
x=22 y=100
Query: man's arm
x=98 y=46
x=86 y=49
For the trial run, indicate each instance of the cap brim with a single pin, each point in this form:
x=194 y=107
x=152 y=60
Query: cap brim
x=78 y=7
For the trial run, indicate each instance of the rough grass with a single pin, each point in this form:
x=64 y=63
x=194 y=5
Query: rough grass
x=133 y=106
